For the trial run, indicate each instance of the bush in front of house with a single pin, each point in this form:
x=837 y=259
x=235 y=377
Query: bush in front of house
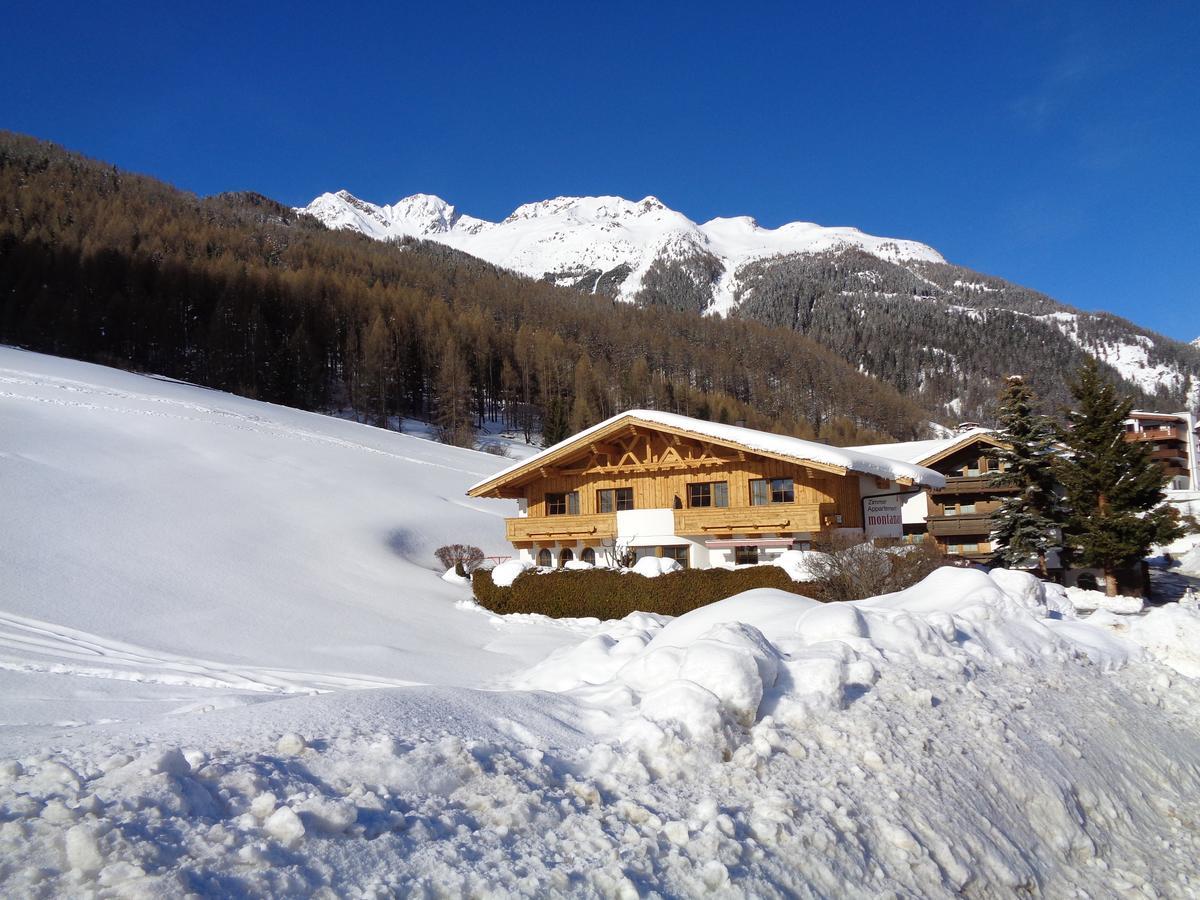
x=611 y=594
x=463 y=558
x=854 y=568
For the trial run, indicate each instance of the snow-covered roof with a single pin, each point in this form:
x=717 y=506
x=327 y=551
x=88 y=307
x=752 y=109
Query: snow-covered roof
x=852 y=459
x=916 y=452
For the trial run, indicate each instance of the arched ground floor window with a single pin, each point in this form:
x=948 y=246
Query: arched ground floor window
x=544 y=558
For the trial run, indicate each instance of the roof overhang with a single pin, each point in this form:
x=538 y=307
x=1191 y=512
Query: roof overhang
x=507 y=482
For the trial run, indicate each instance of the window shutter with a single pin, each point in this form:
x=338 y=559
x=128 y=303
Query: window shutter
x=721 y=493
x=573 y=503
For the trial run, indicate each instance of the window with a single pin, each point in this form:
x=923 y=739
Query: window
x=745 y=556
x=774 y=490
x=614 y=499
x=966 y=509
x=950 y=511
x=544 y=558
x=679 y=554
x=565 y=556
x=709 y=493
x=562 y=504
x=588 y=556
x=954 y=549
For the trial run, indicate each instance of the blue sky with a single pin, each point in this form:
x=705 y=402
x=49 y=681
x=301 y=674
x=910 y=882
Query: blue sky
x=1055 y=144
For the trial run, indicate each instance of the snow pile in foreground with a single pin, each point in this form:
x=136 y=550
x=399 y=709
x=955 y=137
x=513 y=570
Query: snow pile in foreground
x=968 y=735
x=1089 y=601
x=800 y=565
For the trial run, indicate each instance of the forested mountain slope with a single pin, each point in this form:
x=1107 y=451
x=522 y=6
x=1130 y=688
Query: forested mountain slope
x=243 y=294
x=892 y=308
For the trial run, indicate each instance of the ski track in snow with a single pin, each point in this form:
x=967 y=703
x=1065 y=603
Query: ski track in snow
x=29 y=645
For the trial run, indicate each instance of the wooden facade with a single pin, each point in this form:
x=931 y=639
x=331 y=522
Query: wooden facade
x=960 y=513
x=657 y=464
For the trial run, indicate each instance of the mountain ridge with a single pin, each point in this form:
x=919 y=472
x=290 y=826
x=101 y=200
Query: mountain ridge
x=811 y=278
x=604 y=239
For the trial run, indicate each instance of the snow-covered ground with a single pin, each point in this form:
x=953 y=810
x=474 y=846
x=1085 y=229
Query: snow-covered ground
x=230 y=669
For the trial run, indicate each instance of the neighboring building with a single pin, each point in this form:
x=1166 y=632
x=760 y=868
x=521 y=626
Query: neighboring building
x=958 y=515
x=699 y=492
x=1173 y=443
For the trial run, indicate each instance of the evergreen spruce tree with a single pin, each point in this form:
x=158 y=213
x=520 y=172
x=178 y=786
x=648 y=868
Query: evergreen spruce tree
x=1114 y=489
x=1028 y=522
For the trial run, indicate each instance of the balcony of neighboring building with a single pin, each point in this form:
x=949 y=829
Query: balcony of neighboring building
x=967 y=524
x=974 y=484
x=1162 y=433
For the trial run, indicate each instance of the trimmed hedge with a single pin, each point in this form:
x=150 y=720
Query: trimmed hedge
x=609 y=594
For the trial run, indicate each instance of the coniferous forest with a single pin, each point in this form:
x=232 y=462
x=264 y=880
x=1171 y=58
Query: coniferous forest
x=240 y=293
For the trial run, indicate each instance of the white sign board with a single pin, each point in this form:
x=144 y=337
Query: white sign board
x=881 y=516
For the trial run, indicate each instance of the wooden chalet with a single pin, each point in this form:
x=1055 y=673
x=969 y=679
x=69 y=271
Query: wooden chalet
x=702 y=493
x=958 y=515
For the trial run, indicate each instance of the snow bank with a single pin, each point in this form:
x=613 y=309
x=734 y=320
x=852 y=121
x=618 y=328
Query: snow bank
x=1170 y=634
x=506 y=572
x=1089 y=601
x=653 y=566
x=1189 y=562
x=451 y=576
x=799 y=563
x=965 y=736
x=725 y=665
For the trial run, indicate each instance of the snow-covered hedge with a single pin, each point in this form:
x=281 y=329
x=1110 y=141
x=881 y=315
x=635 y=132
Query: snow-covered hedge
x=609 y=594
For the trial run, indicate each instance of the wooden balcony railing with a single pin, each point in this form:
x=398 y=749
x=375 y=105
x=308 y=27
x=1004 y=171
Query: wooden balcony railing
x=1167 y=433
x=971 y=524
x=561 y=528
x=776 y=518
x=973 y=484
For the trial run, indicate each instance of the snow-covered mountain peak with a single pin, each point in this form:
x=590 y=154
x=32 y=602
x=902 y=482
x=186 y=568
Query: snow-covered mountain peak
x=606 y=243
x=418 y=215
x=586 y=210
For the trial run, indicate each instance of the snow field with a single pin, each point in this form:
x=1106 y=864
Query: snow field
x=165 y=546
x=210 y=607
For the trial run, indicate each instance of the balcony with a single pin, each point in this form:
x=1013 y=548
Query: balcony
x=543 y=529
x=1166 y=433
x=783 y=517
x=976 y=524
x=1170 y=455
x=974 y=484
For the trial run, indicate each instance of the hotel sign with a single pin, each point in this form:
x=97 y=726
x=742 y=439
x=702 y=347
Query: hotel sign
x=881 y=516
